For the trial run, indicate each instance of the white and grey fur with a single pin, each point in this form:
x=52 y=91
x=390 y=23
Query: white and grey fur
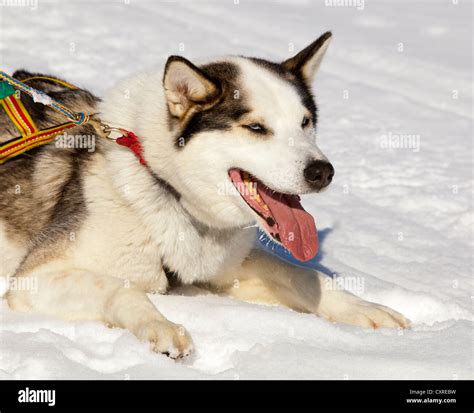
x=99 y=230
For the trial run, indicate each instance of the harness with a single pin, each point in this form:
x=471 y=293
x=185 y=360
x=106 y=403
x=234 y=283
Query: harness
x=32 y=137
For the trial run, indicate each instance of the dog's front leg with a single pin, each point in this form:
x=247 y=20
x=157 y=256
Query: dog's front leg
x=265 y=279
x=82 y=295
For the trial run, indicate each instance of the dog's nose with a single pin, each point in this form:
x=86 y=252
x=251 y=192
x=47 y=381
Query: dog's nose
x=319 y=174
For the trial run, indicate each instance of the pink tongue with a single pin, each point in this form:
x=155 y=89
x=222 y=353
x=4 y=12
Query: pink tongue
x=296 y=228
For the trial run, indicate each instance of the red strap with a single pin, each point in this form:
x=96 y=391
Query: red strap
x=131 y=141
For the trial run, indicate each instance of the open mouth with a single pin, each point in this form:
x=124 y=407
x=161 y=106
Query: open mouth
x=281 y=215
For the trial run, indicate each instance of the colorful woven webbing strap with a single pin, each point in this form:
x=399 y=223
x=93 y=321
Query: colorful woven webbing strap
x=30 y=137
x=19 y=115
x=22 y=144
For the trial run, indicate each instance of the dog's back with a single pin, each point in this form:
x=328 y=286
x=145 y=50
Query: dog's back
x=39 y=188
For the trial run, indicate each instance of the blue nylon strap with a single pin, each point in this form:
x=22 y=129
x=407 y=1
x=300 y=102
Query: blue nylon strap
x=268 y=245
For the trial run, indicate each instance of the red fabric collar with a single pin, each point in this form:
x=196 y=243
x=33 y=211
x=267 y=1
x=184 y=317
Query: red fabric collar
x=131 y=141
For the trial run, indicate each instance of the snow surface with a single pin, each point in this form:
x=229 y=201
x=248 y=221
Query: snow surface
x=398 y=219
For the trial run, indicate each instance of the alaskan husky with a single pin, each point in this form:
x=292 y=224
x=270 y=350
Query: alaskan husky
x=227 y=144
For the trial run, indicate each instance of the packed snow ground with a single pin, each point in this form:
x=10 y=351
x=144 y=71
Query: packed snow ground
x=398 y=221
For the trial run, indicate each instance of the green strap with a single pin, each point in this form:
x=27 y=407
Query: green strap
x=6 y=90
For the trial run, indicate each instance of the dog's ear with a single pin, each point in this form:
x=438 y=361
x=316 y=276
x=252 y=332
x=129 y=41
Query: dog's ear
x=306 y=63
x=187 y=87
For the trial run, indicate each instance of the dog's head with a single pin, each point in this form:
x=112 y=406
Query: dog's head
x=244 y=142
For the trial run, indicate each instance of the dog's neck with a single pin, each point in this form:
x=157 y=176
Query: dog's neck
x=193 y=250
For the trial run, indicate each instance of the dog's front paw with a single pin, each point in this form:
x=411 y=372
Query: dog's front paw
x=349 y=309
x=372 y=315
x=167 y=338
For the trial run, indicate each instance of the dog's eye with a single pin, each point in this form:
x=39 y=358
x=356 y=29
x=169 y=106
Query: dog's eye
x=305 y=122
x=255 y=127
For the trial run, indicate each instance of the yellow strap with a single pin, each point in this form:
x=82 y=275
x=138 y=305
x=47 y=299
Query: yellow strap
x=8 y=101
x=6 y=157
x=31 y=136
x=13 y=118
x=25 y=143
x=26 y=113
x=61 y=82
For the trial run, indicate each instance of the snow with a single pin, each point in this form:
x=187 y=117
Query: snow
x=396 y=220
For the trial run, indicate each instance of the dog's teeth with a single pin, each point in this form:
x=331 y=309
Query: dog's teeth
x=251 y=187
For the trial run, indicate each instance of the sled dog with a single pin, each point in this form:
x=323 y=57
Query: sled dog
x=227 y=144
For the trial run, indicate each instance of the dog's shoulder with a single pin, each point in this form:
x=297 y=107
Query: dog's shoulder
x=42 y=188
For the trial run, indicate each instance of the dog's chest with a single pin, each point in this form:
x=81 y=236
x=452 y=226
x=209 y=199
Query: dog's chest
x=122 y=240
x=111 y=241
x=119 y=245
